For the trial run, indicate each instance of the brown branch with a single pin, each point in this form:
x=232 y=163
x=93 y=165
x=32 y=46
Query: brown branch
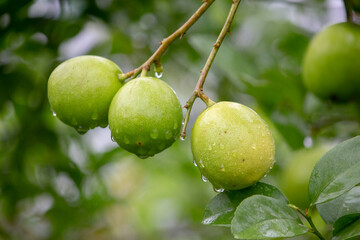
x=164 y=44
x=198 y=91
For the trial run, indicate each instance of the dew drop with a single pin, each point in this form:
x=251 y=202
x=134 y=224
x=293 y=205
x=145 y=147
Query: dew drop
x=204 y=178
x=168 y=134
x=308 y=142
x=113 y=139
x=158 y=74
x=94 y=116
x=81 y=130
x=154 y=134
x=219 y=190
x=143 y=156
x=194 y=163
x=201 y=164
x=182 y=138
x=222 y=168
x=54 y=114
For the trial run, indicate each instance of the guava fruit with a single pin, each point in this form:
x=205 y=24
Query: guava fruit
x=232 y=146
x=295 y=177
x=331 y=68
x=80 y=91
x=145 y=116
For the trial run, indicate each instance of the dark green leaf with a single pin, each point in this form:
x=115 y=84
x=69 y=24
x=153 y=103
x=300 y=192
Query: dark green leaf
x=336 y=172
x=261 y=217
x=220 y=210
x=346 y=204
x=351 y=232
x=344 y=221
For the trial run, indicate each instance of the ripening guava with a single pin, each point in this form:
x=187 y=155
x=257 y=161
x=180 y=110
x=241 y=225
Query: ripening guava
x=295 y=177
x=145 y=116
x=80 y=91
x=232 y=146
x=331 y=68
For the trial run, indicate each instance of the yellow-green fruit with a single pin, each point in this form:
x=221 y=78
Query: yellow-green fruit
x=295 y=178
x=232 y=145
x=145 y=116
x=332 y=64
x=80 y=91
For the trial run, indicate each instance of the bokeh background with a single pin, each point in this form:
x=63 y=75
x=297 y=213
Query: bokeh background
x=57 y=184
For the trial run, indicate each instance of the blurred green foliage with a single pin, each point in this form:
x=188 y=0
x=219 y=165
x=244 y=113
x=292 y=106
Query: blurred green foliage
x=56 y=184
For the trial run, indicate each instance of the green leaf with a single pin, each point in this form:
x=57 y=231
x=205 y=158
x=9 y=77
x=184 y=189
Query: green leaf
x=344 y=221
x=261 y=217
x=220 y=210
x=336 y=172
x=348 y=203
x=351 y=232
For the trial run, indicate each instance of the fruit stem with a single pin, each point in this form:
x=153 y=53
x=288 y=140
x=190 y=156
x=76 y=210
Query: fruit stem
x=198 y=92
x=144 y=72
x=307 y=216
x=164 y=44
x=348 y=9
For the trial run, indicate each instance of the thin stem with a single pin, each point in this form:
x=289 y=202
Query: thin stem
x=164 y=44
x=307 y=216
x=198 y=91
x=348 y=9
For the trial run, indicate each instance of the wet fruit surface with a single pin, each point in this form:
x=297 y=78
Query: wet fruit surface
x=332 y=63
x=80 y=91
x=232 y=146
x=145 y=116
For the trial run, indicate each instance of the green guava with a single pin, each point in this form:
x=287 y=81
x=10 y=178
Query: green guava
x=331 y=68
x=145 y=116
x=232 y=146
x=80 y=91
x=295 y=177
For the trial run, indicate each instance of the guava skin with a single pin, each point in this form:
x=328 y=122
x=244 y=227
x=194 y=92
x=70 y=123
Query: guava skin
x=232 y=146
x=80 y=91
x=295 y=177
x=331 y=68
x=145 y=116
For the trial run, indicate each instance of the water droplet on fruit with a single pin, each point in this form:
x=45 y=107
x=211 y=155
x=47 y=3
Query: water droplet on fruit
x=194 y=163
x=168 y=134
x=219 y=190
x=158 y=74
x=103 y=124
x=182 y=138
x=81 y=130
x=113 y=139
x=126 y=140
x=201 y=164
x=143 y=156
x=204 y=178
x=94 y=116
x=54 y=114
x=154 y=134
x=221 y=146
x=222 y=168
